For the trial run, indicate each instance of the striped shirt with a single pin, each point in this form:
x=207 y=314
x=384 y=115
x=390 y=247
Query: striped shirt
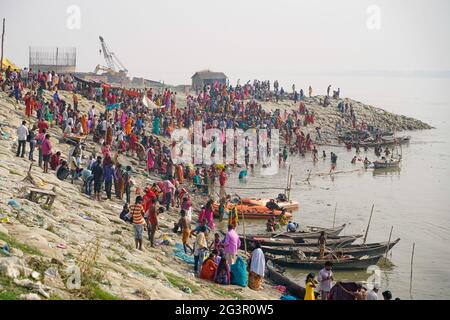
x=137 y=211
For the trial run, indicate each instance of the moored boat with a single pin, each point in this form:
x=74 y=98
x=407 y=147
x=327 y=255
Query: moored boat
x=279 y=279
x=338 y=264
x=354 y=250
x=287 y=205
x=311 y=232
x=252 y=211
x=298 y=242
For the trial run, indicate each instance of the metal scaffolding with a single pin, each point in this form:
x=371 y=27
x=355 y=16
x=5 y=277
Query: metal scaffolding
x=53 y=58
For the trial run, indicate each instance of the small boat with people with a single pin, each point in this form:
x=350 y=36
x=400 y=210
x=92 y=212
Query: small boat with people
x=384 y=141
x=252 y=211
x=387 y=163
x=281 y=202
x=355 y=250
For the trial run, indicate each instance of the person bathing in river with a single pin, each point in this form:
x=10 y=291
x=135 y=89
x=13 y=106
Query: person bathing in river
x=354 y=160
x=314 y=154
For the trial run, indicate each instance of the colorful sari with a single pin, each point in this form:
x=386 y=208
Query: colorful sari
x=208 y=270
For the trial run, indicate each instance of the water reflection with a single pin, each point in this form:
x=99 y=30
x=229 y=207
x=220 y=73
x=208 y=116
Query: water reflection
x=387 y=172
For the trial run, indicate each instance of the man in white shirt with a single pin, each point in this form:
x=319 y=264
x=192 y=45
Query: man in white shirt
x=373 y=294
x=22 y=134
x=325 y=278
x=91 y=113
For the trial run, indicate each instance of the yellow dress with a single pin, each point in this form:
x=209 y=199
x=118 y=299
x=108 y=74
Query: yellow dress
x=309 y=295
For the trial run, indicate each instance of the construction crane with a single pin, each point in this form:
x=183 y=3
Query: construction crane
x=114 y=66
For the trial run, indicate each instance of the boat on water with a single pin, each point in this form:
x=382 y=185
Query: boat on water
x=385 y=141
x=287 y=205
x=299 y=242
x=354 y=250
x=252 y=211
x=311 y=232
x=347 y=263
x=276 y=276
x=387 y=163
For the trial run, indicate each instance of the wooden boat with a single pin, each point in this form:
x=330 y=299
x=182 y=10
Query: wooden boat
x=384 y=164
x=311 y=232
x=252 y=211
x=383 y=142
x=287 y=205
x=298 y=242
x=277 y=278
x=355 y=250
x=342 y=264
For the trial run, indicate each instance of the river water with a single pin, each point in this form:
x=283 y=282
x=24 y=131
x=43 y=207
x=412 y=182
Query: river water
x=415 y=200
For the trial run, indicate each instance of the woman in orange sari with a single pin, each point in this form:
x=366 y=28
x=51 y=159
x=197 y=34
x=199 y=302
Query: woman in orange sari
x=84 y=124
x=128 y=126
x=209 y=268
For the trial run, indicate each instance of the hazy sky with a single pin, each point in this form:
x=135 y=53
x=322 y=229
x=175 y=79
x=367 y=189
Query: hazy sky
x=169 y=40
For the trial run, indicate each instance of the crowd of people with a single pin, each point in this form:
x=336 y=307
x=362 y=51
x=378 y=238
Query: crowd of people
x=122 y=129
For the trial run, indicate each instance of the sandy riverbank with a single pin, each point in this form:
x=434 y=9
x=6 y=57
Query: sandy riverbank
x=92 y=232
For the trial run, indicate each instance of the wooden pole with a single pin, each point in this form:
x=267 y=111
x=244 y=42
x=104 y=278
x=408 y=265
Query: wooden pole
x=287 y=182
x=243 y=227
x=368 y=225
x=389 y=243
x=334 y=217
x=411 y=277
x=289 y=190
x=3 y=36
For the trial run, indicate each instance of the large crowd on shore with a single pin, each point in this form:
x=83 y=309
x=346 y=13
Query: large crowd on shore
x=123 y=129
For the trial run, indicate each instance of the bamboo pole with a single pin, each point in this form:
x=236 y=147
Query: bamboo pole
x=243 y=227
x=368 y=225
x=387 y=249
x=288 y=175
x=411 y=276
x=289 y=190
x=389 y=243
x=334 y=217
x=3 y=36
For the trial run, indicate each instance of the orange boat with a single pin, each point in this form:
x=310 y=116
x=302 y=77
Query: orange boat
x=252 y=211
x=287 y=205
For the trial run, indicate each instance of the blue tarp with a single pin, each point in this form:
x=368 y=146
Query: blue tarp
x=179 y=253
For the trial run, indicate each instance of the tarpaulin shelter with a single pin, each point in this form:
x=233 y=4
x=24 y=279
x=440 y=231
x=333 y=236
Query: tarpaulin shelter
x=150 y=104
x=6 y=63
